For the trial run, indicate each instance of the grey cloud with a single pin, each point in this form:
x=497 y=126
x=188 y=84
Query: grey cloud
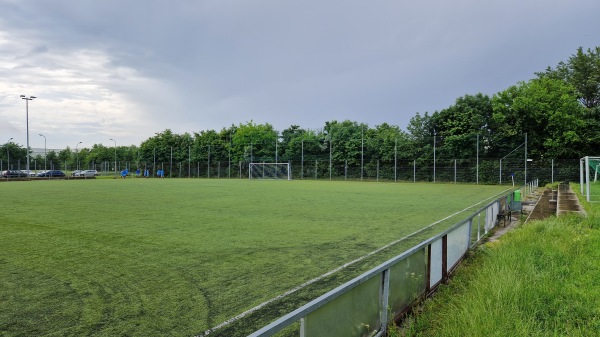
x=195 y=65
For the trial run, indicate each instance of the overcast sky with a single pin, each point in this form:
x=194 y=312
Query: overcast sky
x=129 y=69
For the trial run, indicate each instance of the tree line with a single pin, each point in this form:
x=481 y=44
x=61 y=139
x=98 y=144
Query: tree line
x=558 y=111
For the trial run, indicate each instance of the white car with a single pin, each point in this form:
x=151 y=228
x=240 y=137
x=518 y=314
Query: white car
x=88 y=173
x=29 y=173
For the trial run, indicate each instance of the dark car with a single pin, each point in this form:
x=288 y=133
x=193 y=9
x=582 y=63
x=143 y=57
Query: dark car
x=13 y=174
x=51 y=173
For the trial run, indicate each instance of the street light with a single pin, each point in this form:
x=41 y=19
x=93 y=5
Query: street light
x=77 y=156
x=27 y=99
x=44 y=151
x=115 y=157
x=8 y=156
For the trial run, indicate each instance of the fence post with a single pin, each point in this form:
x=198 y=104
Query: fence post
x=346 y=170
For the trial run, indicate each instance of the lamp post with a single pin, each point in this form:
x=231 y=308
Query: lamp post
x=8 y=157
x=115 y=157
x=77 y=156
x=27 y=99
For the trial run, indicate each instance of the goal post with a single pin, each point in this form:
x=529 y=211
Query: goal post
x=269 y=171
x=589 y=167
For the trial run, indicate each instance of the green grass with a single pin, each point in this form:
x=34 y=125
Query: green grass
x=175 y=257
x=539 y=280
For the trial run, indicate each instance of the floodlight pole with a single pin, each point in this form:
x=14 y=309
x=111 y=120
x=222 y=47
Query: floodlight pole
x=362 y=151
x=27 y=99
x=515 y=149
x=77 y=156
x=45 y=155
x=302 y=160
x=115 y=157
x=525 y=158
x=396 y=160
x=330 y=152
x=8 y=156
x=477 y=159
x=434 y=139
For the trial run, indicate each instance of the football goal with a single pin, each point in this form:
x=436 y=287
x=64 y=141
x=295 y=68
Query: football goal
x=588 y=172
x=269 y=171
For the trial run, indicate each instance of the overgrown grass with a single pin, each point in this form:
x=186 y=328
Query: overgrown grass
x=541 y=279
x=175 y=257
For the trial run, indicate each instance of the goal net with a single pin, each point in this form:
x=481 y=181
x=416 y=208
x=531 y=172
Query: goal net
x=269 y=171
x=589 y=169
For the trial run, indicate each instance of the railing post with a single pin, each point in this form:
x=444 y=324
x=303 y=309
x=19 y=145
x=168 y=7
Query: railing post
x=428 y=272
x=445 y=258
x=385 y=294
x=470 y=231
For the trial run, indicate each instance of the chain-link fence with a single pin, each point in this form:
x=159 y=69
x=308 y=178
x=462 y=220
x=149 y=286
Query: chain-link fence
x=484 y=171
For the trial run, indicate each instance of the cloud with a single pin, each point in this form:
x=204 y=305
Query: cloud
x=127 y=70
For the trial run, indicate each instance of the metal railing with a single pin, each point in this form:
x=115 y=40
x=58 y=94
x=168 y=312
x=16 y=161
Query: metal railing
x=365 y=305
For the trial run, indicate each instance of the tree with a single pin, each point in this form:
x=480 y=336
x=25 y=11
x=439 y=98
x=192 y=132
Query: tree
x=548 y=110
x=15 y=152
x=459 y=125
x=64 y=157
x=582 y=71
x=420 y=131
x=347 y=138
x=254 y=142
x=299 y=143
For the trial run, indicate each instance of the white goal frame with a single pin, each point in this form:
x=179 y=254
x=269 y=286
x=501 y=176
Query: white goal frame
x=280 y=170
x=584 y=175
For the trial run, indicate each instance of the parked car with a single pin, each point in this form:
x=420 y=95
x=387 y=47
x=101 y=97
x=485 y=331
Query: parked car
x=29 y=173
x=88 y=173
x=76 y=173
x=51 y=173
x=13 y=174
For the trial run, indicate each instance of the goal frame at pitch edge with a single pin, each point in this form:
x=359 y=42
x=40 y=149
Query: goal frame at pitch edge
x=287 y=175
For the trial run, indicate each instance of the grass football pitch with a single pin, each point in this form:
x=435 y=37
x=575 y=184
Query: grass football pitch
x=140 y=257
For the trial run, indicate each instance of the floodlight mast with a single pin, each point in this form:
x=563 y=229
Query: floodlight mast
x=515 y=149
x=27 y=99
x=8 y=156
x=115 y=157
x=45 y=154
x=77 y=156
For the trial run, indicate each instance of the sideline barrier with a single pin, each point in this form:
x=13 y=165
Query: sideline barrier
x=366 y=304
